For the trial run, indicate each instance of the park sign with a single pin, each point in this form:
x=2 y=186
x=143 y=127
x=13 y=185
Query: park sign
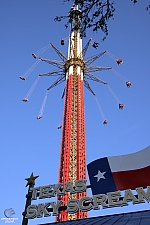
x=111 y=199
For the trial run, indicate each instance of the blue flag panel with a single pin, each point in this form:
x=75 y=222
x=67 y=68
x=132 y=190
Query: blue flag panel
x=101 y=178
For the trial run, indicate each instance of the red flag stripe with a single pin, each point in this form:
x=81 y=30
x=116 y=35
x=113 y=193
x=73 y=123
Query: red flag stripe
x=132 y=179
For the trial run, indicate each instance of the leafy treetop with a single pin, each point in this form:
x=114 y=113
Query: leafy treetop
x=95 y=15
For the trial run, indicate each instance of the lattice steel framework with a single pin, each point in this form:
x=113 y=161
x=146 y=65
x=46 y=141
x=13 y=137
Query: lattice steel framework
x=73 y=152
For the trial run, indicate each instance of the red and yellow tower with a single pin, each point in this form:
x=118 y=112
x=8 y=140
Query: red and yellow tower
x=73 y=151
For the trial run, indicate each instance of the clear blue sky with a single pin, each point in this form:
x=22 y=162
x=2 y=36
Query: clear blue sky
x=28 y=145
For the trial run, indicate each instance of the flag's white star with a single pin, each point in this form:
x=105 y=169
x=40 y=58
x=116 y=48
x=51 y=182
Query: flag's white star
x=100 y=175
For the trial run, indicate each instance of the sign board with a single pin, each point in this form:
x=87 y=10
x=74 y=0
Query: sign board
x=111 y=199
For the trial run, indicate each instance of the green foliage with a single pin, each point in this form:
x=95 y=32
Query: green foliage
x=95 y=15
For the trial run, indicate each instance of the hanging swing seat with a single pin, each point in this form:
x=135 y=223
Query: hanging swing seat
x=22 y=78
x=129 y=84
x=25 y=100
x=121 y=105
x=95 y=44
x=105 y=122
x=119 y=61
x=62 y=42
x=39 y=117
x=34 y=56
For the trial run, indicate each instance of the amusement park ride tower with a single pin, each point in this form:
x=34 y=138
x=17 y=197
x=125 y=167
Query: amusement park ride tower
x=73 y=152
x=76 y=71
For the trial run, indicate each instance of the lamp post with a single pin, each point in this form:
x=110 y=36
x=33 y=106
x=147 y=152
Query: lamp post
x=30 y=183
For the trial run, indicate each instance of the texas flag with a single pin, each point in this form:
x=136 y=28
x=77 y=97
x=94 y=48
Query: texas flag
x=120 y=172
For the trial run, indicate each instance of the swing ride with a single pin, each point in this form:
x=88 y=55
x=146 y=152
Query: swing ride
x=76 y=70
x=62 y=70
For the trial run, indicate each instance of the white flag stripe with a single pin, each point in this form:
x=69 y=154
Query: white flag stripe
x=132 y=161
